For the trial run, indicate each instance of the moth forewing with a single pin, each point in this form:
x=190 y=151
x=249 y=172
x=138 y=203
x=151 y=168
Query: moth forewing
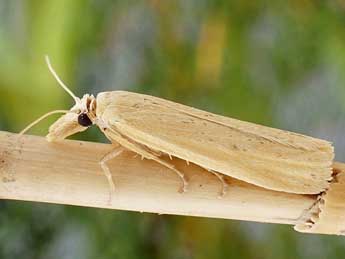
x=270 y=158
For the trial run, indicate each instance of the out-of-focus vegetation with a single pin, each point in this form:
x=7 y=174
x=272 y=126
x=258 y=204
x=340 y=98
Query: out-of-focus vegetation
x=270 y=62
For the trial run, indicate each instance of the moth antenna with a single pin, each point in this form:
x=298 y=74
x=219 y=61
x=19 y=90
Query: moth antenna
x=51 y=69
x=40 y=119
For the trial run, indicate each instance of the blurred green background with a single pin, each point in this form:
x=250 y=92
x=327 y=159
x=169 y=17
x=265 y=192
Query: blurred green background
x=278 y=63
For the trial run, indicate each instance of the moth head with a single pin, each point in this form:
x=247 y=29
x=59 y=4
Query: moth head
x=79 y=118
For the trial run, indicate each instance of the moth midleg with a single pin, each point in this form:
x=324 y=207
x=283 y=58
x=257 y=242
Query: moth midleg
x=135 y=147
x=111 y=155
x=224 y=183
x=172 y=167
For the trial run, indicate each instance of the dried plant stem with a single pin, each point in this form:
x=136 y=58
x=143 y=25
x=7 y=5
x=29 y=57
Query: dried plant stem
x=68 y=172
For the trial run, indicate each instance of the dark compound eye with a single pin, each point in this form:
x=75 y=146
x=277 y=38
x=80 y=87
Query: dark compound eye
x=84 y=120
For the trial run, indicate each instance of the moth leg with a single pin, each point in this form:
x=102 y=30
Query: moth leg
x=111 y=155
x=224 y=184
x=172 y=167
x=144 y=153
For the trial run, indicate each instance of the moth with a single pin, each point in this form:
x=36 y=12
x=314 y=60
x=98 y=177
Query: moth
x=153 y=127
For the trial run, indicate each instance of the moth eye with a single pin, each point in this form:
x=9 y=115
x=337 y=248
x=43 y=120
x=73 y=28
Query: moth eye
x=84 y=120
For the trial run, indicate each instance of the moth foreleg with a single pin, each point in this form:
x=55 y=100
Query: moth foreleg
x=111 y=155
x=224 y=183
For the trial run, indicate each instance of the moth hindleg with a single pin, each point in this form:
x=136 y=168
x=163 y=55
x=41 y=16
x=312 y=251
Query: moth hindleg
x=111 y=155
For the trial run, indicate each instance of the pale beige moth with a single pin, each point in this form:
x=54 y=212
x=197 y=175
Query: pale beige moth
x=152 y=127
